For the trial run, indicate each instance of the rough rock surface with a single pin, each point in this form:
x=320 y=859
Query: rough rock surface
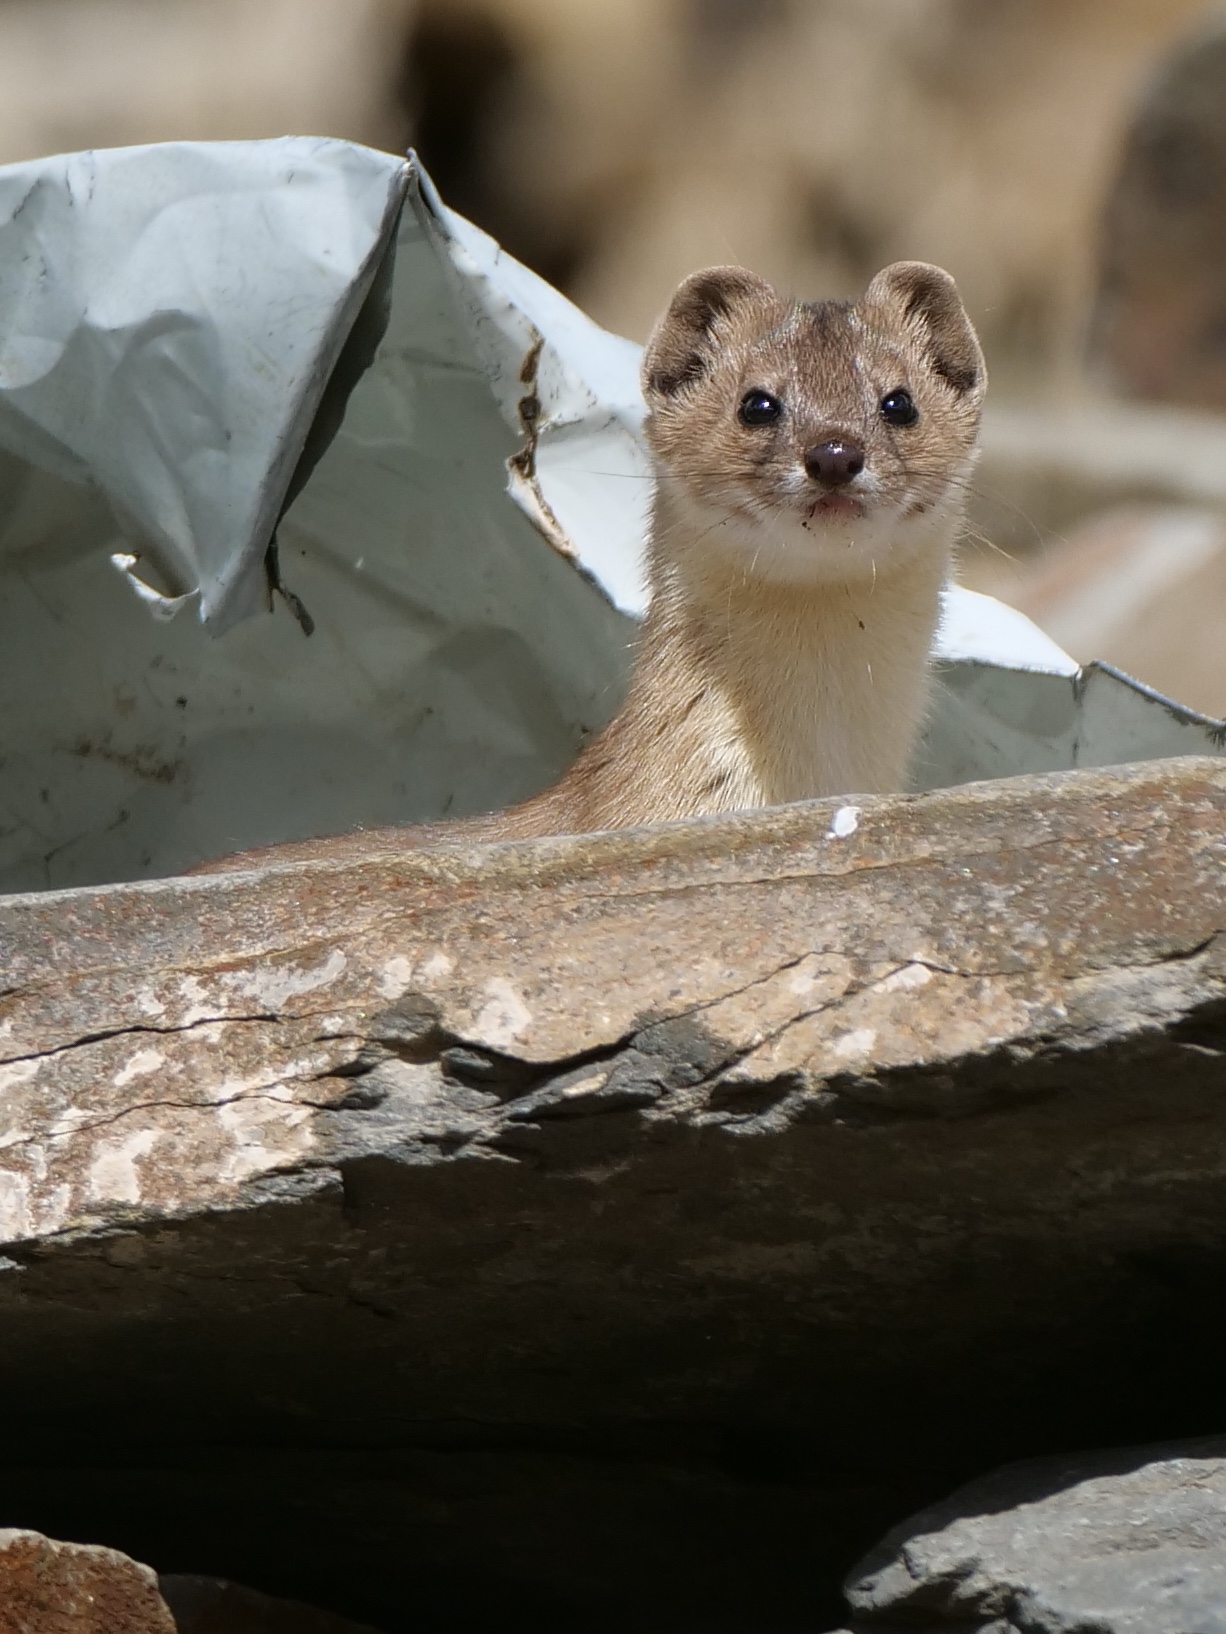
x=1130 y=1542
x=71 y=1588
x=743 y=1184
x=207 y=1605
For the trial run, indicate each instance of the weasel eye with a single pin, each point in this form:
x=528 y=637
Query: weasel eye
x=898 y=409
x=759 y=408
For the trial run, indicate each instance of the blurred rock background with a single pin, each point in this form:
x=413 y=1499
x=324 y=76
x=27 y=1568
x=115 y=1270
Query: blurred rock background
x=1065 y=159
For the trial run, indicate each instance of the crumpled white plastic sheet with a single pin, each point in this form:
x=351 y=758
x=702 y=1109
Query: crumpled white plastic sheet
x=171 y=317
x=192 y=335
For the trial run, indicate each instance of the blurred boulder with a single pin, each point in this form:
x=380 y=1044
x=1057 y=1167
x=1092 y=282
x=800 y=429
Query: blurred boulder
x=77 y=74
x=1142 y=588
x=1130 y=1542
x=73 y=1588
x=619 y=144
x=1160 y=324
x=1105 y=522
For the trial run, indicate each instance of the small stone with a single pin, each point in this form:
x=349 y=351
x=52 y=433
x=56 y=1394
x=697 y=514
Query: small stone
x=1161 y=316
x=72 y=1588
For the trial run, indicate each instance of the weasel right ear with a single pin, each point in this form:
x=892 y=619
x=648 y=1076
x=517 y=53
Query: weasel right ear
x=927 y=302
x=683 y=342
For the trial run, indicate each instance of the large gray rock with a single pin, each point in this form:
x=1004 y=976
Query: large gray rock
x=702 y=1197
x=1118 y=1543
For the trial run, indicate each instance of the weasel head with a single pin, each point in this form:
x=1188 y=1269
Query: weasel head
x=814 y=442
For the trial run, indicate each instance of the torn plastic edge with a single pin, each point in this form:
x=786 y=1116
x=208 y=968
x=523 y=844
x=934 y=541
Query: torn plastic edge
x=979 y=631
x=1214 y=729
x=364 y=315
x=162 y=606
x=526 y=306
x=248 y=581
x=472 y=256
x=522 y=483
x=975 y=628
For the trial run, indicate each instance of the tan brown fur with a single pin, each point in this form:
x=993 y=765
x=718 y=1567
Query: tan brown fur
x=785 y=651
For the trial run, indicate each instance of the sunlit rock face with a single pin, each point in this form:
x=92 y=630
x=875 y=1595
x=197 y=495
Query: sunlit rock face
x=496 y=1213
x=1126 y=1542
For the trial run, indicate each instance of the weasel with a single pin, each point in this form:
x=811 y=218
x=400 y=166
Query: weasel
x=811 y=464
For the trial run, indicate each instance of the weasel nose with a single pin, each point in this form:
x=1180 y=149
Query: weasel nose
x=835 y=462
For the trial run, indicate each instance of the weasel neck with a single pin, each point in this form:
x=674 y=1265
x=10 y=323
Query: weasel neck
x=796 y=690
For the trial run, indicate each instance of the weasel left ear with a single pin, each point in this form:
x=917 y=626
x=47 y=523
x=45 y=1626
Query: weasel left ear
x=927 y=302
x=683 y=343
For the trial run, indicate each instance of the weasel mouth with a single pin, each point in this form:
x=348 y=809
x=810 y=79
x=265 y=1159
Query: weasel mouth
x=835 y=505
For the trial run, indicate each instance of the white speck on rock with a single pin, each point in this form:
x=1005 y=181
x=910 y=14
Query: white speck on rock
x=17 y=1073
x=15 y=1218
x=265 y=1134
x=905 y=980
x=140 y=1066
x=437 y=967
x=275 y=985
x=855 y=1045
x=54 y=1208
x=504 y=1017
x=113 y=1176
x=587 y=1085
x=817 y=978
x=191 y=991
x=68 y=1122
x=845 y=822
x=395 y=977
